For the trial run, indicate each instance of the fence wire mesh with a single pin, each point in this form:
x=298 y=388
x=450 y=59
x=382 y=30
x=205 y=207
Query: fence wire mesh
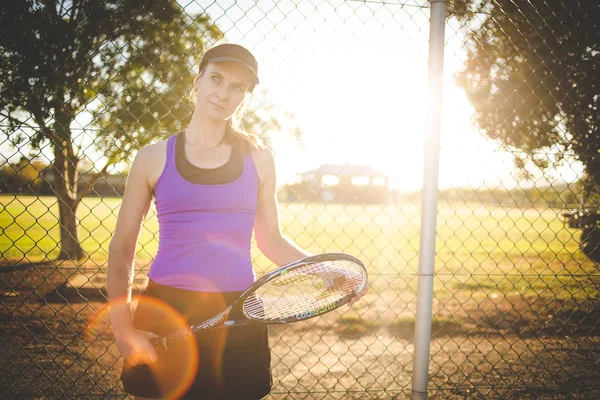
x=341 y=102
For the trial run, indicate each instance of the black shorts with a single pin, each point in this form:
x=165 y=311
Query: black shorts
x=231 y=363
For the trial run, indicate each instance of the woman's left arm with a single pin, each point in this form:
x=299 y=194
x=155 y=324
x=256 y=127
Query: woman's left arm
x=269 y=238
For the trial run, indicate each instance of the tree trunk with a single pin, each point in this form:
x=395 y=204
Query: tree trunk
x=589 y=242
x=70 y=248
x=65 y=187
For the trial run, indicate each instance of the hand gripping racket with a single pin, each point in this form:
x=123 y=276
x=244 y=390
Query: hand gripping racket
x=294 y=292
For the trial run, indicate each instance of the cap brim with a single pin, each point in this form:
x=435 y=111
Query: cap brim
x=237 y=60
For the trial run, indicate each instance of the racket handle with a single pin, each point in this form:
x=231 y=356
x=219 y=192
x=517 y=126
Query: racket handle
x=162 y=342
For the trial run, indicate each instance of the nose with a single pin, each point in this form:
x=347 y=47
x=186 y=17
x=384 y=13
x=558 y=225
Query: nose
x=223 y=92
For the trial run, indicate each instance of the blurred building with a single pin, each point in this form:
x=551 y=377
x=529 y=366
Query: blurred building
x=338 y=184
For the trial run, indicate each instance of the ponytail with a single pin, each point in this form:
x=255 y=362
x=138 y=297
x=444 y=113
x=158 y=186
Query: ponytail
x=239 y=139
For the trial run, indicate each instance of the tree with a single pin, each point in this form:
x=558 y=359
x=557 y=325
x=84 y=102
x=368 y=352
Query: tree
x=532 y=76
x=125 y=61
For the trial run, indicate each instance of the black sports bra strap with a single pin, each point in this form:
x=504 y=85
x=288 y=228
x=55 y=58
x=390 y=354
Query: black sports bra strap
x=226 y=173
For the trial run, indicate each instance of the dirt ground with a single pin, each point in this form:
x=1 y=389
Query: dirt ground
x=54 y=343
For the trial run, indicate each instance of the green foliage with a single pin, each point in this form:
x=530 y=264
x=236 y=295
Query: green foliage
x=558 y=196
x=126 y=62
x=532 y=75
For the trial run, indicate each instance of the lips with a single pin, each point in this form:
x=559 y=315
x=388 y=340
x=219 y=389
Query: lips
x=217 y=106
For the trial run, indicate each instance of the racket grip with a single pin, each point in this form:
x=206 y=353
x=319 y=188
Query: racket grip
x=160 y=343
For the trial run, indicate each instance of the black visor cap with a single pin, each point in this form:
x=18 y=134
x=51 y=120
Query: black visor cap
x=231 y=52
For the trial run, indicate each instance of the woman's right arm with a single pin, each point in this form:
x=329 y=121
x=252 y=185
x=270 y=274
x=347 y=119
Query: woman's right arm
x=133 y=344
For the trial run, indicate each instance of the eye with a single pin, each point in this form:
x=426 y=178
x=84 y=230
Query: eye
x=239 y=88
x=216 y=78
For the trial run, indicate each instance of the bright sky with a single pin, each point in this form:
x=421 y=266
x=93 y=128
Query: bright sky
x=354 y=74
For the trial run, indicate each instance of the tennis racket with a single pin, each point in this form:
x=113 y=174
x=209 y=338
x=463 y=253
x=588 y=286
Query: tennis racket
x=294 y=292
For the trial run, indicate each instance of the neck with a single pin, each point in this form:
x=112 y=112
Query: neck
x=204 y=132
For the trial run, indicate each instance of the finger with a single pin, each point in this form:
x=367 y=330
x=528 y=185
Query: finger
x=151 y=335
x=151 y=352
x=147 y=350
x=136 y=359
x=357 y=297
x=142 y=358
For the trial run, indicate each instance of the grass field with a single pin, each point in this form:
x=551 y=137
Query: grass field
x=516 y=310
x=474 y=241
x=388 y=236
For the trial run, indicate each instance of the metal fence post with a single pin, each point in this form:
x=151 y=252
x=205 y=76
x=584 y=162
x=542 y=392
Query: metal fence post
x=430 y=199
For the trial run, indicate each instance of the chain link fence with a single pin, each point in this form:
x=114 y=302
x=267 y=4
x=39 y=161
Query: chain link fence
x=341 y=102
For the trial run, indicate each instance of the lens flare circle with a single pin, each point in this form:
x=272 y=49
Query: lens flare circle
x=176 y=368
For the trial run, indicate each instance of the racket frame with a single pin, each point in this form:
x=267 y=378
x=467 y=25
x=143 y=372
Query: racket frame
x=220 y=320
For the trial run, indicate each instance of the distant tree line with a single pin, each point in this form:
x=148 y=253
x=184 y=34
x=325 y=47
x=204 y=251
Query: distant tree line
x=34 y=177
x=561 y=195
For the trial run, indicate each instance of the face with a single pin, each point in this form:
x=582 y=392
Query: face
x=221 y=88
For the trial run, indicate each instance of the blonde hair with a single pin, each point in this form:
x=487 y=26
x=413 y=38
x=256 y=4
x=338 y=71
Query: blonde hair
x=235 y=134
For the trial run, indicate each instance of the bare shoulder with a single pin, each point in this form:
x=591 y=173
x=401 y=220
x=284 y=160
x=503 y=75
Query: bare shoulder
x=153 y=150
x=152 y=159
x=264 y=162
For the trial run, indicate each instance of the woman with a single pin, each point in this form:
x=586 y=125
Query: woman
x=213 y=184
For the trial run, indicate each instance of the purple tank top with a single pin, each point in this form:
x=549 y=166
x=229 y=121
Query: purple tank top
x=205 y=230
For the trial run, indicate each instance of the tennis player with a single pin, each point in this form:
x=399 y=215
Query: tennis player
x=213 y=184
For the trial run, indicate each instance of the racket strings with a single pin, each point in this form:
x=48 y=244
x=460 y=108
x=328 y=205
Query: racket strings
x=305 y=291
